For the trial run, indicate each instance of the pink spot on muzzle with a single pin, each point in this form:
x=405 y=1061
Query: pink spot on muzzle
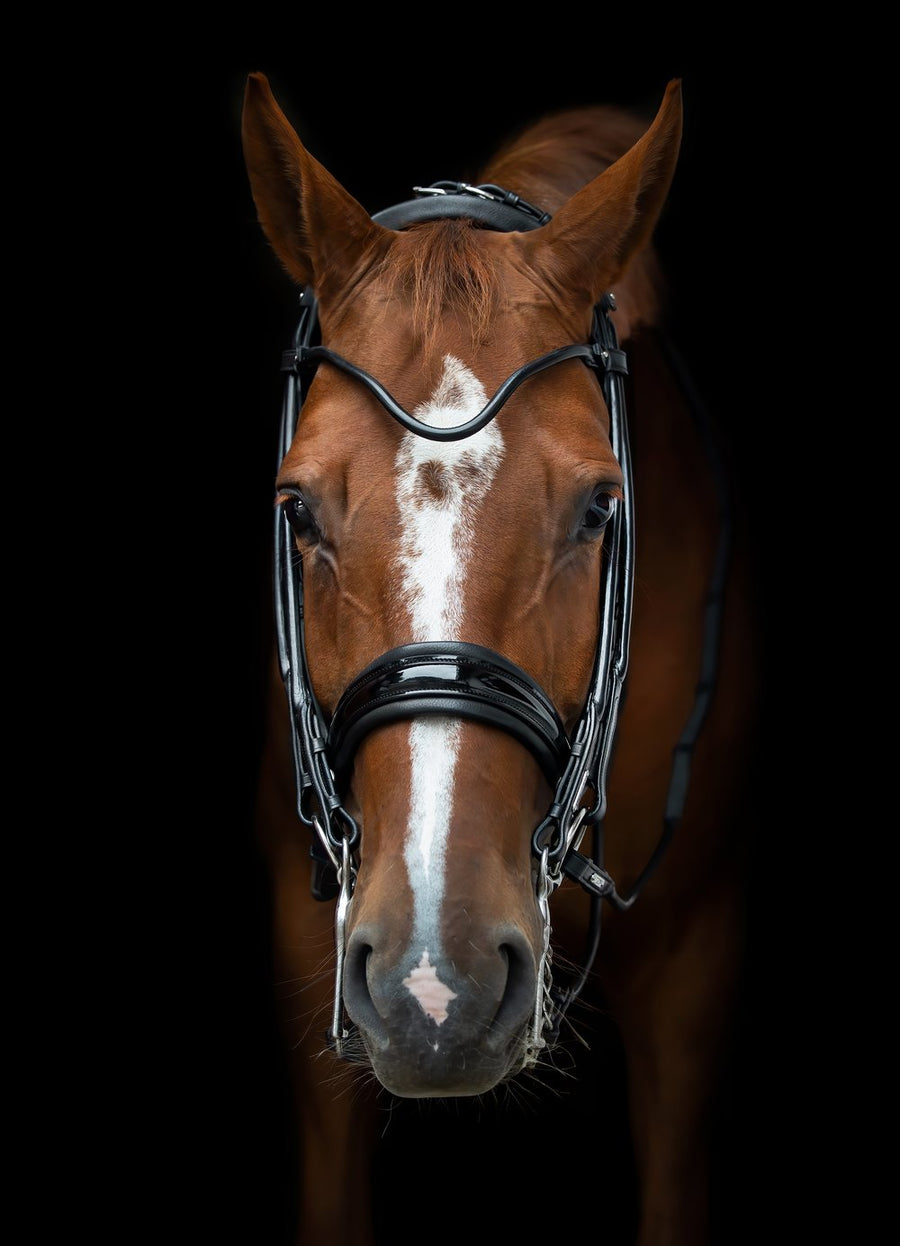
x=429 y=992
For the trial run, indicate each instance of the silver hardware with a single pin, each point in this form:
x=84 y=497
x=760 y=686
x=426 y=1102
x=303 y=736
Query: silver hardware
x=464 y=189
x=543 y=1002
x=476 y=190
x=327 y=844
x=338 y=1033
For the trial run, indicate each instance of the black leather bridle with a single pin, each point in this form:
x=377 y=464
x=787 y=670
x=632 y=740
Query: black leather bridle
x=466 y=680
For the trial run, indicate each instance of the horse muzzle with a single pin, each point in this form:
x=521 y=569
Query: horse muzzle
x=433 y=1025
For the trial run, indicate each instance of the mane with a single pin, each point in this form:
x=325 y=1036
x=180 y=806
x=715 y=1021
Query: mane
x=446 y=271
x=545 y=164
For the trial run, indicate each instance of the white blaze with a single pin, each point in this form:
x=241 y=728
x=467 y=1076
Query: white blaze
x=439 y=488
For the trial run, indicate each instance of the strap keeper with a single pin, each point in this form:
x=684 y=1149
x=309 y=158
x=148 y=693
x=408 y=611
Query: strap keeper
x=296 y=358
x=590 y=875
x=611 y=358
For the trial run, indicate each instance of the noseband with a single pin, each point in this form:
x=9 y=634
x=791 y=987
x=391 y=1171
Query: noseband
x=466 y=680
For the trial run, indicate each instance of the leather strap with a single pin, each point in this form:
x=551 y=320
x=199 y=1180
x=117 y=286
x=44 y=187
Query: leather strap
x=491 y=206
x=487 y=212
x=453 y=678
x=311 y=356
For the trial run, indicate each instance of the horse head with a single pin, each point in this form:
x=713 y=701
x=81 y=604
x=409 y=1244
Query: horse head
x=493 y=540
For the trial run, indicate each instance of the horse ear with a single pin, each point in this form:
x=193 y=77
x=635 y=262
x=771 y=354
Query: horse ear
x=594 y=236
x=320 y=233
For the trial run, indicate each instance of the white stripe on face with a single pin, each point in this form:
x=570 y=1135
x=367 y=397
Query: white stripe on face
x=439 y=488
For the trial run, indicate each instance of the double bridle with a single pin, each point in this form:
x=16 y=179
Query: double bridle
x=469 y=681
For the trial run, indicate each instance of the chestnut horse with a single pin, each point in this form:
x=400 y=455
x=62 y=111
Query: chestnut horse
x=456 y=534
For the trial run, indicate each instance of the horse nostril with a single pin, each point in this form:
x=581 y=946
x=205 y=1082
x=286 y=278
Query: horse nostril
x=357 y=996
x=521 y=984
x=355 y=960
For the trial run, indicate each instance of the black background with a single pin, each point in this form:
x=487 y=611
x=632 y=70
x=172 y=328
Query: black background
x=384 y=113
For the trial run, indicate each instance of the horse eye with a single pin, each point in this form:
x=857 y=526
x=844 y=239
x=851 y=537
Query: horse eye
x=599 y=513
x=300 y=517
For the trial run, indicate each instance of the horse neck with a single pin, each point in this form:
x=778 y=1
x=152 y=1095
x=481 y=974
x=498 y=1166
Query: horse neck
x=550 y=161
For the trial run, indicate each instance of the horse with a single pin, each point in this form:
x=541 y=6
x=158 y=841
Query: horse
x=514 y=684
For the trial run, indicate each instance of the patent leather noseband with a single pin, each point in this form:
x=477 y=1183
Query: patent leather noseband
x=447 y=677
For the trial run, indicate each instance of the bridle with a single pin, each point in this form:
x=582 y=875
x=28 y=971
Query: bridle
x=469 y=681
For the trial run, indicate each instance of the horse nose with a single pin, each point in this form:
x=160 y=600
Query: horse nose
x=440 y=1021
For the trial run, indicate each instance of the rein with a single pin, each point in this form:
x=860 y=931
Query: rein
x=470 y=681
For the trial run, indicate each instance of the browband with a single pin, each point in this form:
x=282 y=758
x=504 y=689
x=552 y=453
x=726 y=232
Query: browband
x=594 y=355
